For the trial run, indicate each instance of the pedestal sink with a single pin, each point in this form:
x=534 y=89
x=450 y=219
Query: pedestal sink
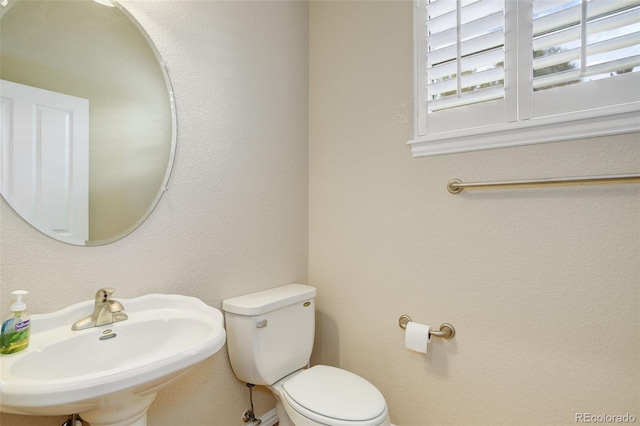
x=110 y=374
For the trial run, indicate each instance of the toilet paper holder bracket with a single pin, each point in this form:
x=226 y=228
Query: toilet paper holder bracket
x=446 y=330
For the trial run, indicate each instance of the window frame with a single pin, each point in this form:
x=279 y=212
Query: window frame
x=513 y=130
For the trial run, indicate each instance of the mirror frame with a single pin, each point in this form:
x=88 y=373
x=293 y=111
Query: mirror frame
x=172 y=151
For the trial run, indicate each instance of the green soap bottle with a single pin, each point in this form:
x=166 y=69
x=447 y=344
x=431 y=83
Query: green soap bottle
x=17 y=327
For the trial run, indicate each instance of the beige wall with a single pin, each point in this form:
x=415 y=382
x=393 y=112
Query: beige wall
x=542 y=285
x=235 y=217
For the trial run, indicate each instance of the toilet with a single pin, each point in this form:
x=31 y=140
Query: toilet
x=270 y=338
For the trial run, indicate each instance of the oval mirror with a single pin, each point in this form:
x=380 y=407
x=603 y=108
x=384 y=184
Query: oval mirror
x=88 y=123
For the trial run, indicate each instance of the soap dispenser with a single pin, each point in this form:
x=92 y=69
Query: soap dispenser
x=16 y=328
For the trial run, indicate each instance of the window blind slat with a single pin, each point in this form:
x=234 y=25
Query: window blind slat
x=478 y=80
x=597 y=8
x=442 y=23
x=473 y=29
x=490 y=58
x=557 y=79
x=438 y=90
x=466 y=3
x=469 y=47
x=441 y=40
x=442 y=78
x=484 y=78
x=481 y=9
x=613 y=44
x=439 y=7
x=556 y=38
x=441 y=71
x=482 y=26
x=595 y=27
x=469 y=98
x=616 y=21
x=614 y=66
x=557 y=20
x=561 y=57
x=541 y=6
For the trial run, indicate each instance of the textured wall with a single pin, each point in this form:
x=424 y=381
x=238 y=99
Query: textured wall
x=554 y=271
x=542 y=285
x=235 y=217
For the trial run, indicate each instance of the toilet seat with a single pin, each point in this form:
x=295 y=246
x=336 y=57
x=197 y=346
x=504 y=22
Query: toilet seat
x=336 y=397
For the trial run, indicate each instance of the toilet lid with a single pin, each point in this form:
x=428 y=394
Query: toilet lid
x=335 y=393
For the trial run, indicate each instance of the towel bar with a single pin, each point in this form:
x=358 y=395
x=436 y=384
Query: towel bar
x=456 y=186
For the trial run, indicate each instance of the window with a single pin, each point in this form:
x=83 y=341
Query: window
x=497 y=73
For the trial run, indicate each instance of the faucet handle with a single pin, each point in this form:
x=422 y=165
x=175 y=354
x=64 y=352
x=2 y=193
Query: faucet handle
x=104 y=294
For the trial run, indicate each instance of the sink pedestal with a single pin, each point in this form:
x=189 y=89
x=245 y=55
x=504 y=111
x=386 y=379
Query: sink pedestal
x=131 y=412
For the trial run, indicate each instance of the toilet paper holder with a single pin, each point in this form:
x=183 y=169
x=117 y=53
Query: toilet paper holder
x=446 y=330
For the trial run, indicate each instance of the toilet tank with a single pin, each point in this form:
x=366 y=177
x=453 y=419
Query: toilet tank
x=270 y=333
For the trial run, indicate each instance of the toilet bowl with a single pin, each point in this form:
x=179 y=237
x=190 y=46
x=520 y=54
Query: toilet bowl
x=270 y=336
x=324 y=395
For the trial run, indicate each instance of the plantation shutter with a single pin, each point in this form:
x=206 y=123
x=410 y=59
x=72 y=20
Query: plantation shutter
x=465 y=52
x=461 y=65
x=575 y=42
x=585 y=54
x=497 y=73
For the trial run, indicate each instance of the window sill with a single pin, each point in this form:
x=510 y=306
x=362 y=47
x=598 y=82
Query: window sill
x=530 y=132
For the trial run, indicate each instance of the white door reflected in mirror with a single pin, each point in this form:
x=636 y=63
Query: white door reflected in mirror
x=44 y=169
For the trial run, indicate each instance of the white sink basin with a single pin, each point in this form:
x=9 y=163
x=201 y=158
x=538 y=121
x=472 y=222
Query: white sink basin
x=114 y=380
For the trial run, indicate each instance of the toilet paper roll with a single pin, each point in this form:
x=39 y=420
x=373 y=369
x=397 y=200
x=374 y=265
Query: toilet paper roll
x=417 y=337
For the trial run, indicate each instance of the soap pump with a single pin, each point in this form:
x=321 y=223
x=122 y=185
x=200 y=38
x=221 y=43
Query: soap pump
x=16 y=328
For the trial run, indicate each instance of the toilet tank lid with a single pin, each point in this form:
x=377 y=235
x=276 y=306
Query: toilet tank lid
x=268 y=300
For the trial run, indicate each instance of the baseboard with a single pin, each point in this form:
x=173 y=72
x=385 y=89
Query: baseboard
x=269 y=418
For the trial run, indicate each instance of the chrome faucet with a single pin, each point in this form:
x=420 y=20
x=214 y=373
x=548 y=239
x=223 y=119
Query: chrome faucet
x=105 y=311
